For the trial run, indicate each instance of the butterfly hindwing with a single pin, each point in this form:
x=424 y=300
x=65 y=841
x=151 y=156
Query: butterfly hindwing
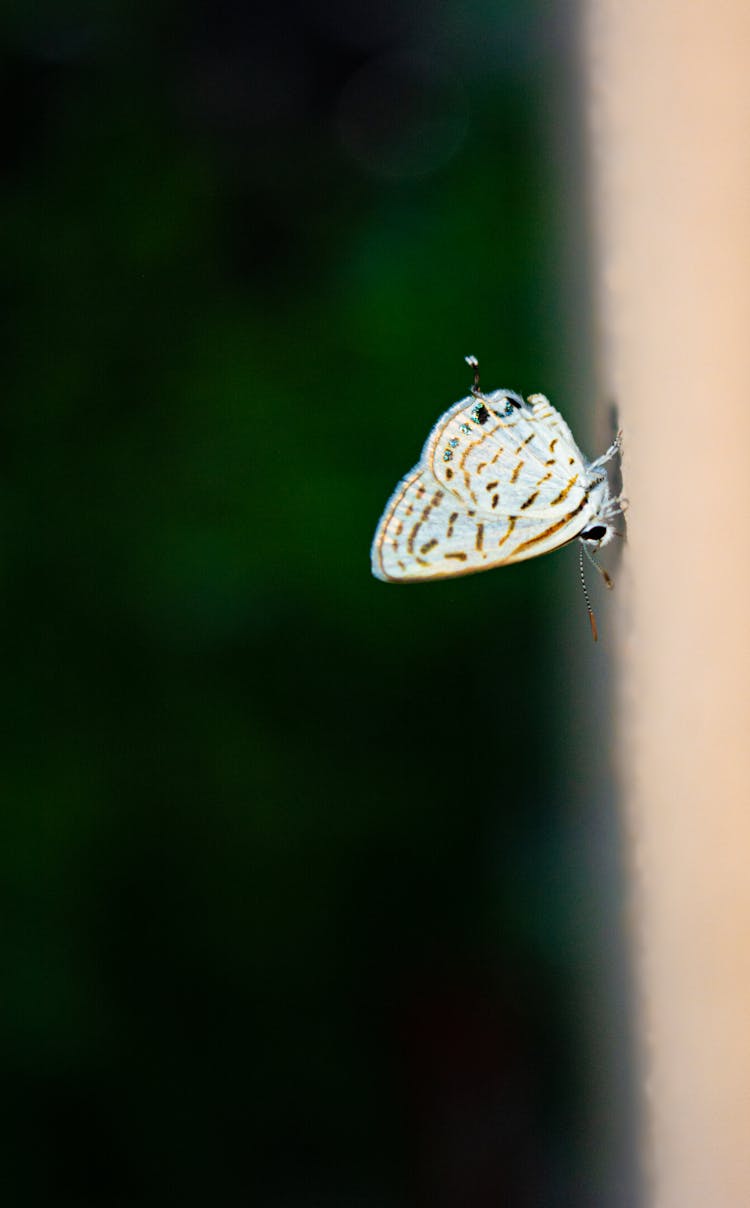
x=501 y=456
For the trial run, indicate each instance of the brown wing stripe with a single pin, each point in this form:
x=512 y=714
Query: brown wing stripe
x=467 y=483
x=516 y=471
x=511 y=526
x=480 y=538
x=458 y=557
x=425 y=513
x=564 y=492
x=473 y=444
x=554 y=528
x=528 y=502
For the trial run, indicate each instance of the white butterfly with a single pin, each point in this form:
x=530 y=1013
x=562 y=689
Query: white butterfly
x=500 y=479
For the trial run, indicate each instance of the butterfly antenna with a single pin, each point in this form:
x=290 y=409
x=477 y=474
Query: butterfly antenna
x=606 y=577
x=473 y=363
x=592 y=618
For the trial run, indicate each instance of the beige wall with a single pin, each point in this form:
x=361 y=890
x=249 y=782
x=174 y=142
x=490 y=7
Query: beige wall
x=669 y=106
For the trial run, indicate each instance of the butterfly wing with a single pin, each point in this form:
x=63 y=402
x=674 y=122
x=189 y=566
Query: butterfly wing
x=507 y=459
x=425 y=533
x=496 y=484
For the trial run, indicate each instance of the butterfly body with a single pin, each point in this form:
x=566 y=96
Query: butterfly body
x=500 y=480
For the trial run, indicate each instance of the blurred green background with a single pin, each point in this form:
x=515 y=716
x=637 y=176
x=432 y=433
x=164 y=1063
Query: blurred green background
x=308 y=880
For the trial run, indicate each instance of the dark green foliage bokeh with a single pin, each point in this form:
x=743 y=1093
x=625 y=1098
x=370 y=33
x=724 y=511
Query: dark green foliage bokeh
x=282 y=908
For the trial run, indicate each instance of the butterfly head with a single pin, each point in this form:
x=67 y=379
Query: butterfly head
x=595 y=535
x=599 y=529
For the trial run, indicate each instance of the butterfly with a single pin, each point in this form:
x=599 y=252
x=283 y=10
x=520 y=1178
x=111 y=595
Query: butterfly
x=500 y=479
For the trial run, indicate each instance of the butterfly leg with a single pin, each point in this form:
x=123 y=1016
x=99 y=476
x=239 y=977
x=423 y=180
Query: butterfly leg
x=611 y=452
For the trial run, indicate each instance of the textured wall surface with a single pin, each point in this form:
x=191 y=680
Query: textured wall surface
x=670 y=129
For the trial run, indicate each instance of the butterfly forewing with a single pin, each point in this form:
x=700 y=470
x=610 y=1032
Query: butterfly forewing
x=425 y=533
